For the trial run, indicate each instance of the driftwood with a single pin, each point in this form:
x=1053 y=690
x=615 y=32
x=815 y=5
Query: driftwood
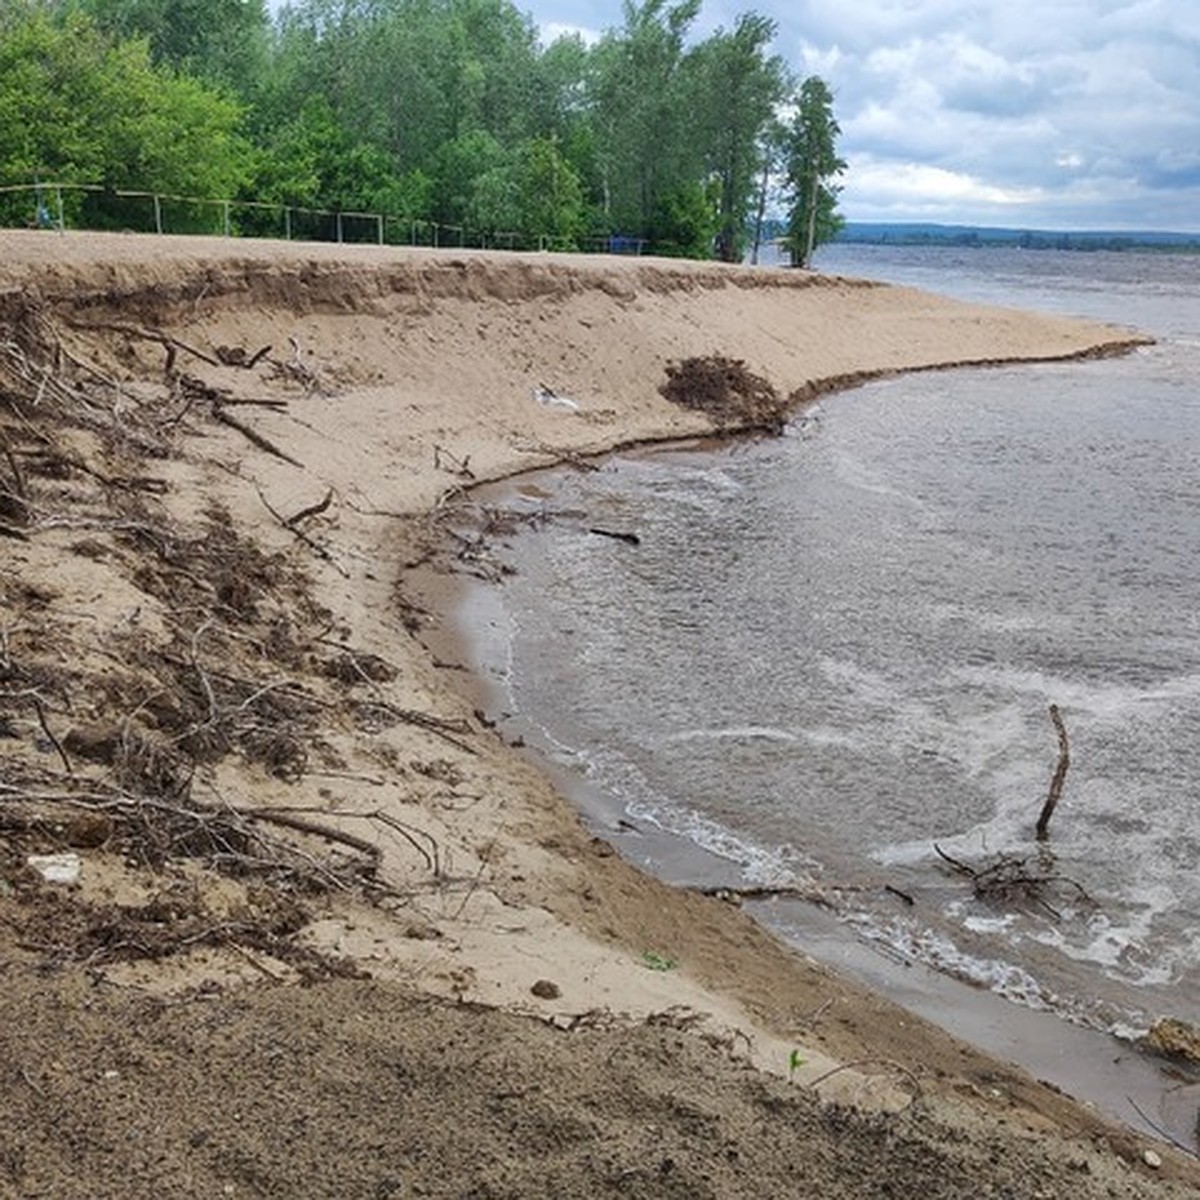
x=1060 y=775
x=253 y=436
x=290 y=525
x=150 y=335
x=1008 y=879
x=810 y=895
x=617 y=535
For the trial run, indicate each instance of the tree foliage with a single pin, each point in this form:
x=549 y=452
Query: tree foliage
x=76 y=106
x=222 y=42
x=434 y=111
x=812 y=166
x=738 y=93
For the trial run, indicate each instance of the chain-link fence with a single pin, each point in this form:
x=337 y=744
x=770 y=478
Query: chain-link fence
x=89 y=206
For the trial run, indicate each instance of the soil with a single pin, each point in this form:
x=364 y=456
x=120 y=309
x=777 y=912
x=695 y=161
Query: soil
x=323 y=931
x=361 y=1089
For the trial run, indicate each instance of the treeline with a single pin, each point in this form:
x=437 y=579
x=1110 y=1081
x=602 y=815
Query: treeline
x=986 y=236
x=443 y=111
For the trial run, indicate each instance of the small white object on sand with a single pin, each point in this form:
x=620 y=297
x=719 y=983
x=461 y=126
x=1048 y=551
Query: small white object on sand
x=57 y=868
x=551 y=399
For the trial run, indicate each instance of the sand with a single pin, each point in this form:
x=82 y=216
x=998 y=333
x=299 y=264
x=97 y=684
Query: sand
x=332 y=934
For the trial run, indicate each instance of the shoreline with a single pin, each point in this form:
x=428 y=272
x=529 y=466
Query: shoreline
x=1095 y=1067
x=396 y=381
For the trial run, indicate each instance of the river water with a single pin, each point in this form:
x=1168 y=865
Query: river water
x=833 y=652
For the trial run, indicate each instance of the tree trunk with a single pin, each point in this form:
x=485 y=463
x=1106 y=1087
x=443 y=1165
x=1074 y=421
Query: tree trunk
x=762 y=209
x=811 y=235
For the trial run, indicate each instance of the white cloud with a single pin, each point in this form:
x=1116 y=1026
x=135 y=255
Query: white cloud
x=551 y=31
x=932 y=192
x=1086 y=111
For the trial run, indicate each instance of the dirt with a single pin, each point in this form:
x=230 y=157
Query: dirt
x=360 y=1089
x=727 y=391
x=330 y=935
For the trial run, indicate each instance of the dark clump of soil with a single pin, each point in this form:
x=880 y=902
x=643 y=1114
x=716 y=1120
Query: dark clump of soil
x=727 y=391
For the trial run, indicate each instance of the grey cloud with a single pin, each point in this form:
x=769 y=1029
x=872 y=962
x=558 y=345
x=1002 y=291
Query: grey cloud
x=1082 y=112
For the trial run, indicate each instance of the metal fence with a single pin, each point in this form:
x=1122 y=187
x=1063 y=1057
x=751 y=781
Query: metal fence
x=89 y=206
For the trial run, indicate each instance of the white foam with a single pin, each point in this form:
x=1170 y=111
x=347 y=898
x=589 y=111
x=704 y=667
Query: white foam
x=1110 y=703
x=761 y=865
x=940 y=953
x=734 y=732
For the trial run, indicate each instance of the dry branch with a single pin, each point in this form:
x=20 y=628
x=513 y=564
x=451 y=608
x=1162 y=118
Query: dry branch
x=310 y=542
x=149 y=335
x=41 y=716
x=310 y=510
x=236 y=356
x=450 y=730
x=1060 y=775
x=451 y=463
x=253 y=436
x=425 y=844
x=1008 y=879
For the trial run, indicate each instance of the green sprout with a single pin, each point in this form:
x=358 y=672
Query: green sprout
x=658 y=962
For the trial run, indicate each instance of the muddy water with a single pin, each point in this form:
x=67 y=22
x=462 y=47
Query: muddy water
x=832 y=653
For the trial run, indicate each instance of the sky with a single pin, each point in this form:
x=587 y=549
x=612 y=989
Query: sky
x=1046 y=114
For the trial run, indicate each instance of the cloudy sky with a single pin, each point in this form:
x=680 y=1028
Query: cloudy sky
x=1052 y=114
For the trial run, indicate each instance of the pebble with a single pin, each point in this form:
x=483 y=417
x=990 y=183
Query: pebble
x=1152 y=1159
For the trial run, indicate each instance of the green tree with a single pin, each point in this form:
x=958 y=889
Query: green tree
x=76 y=107
x=812 y=166
x=562 y=112
x=648 y=145
x=772 y=150
x=457 y=166
x=533 y=193
x=220 y=41
x=739 y=87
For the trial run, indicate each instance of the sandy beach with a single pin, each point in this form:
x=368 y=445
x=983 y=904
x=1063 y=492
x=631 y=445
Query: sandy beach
x=325 y=931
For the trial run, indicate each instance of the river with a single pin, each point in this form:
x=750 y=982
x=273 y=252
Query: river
x=832 y=654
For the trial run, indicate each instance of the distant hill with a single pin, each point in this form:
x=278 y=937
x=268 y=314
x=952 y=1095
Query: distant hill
x=918 y=234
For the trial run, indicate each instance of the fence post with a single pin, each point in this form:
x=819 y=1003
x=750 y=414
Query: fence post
x=62 y=224
x=226 y=204
x=287 y=222
x=157 y=213
x=379 y=227
x=339 y=228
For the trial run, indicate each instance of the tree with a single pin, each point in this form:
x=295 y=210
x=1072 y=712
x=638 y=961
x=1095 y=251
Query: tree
x=738 y=90
x=533 y=193
x=772 y=148
x=812 y=165
x=220 y=41
x=78 y=107
x=648 y=147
